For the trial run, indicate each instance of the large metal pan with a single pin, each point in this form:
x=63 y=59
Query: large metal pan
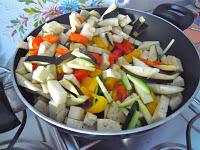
x=159 y=29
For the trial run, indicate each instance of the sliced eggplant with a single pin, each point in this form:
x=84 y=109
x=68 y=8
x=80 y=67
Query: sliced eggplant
x=20 y=67
x=138 y=62
x=73 y=79
x=105 y=62
x=78 y=53
x=125 y=21
x=109 y=38
x=127 y=29
x=76 y=45
x=165 y=89
x=62 y=58
x=28 y=76
x=121 y=33
x=92 y=20
x=72 y=101
x=79 y=63
x=87 y=31
x=175 y=101
x=140 y=30
x=160 y=112
x=51 y=72
x=134 y=108
x=22 y=81
x=40 y=74
x=63 y=38
x=98 y=50
x=102 y=30
x=44 y=88
x=28 y=65
x=95 y=13
x=40 y=59
x=108 y=125
x=30 y=40
x=84 y=13
x=77 y=113
x=74 y=21
x=104 y=39
x=109 y=22
x=141 y=71
x=167 y=67
x=57 y=92
x=110 y=73
x=117 y=38
x=147 y=44
x=179 y=81
x=153 y=53
x=66 y=69
x=53 y=27
x=161 y=76
x=69 y=86
x=159 y=49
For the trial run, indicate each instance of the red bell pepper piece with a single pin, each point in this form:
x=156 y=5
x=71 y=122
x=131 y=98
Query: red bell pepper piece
x=122 y=93
x=113 y=57
x=36 y=42
x=97 y=57
x=125 y=46
x=80 y=74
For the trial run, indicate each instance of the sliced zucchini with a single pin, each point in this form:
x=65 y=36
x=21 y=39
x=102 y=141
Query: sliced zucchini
x=134 y=120
x=104 y=90
x=128 y=101
x=146 y=98
x=139 y=83
x=125 y=81
x=161 y=76
x=145 y=111
x=167 y=67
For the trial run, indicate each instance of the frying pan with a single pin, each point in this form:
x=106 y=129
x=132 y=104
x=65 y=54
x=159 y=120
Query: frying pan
x=160 y=30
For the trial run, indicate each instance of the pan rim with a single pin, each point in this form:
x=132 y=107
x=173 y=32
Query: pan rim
x=109 y=133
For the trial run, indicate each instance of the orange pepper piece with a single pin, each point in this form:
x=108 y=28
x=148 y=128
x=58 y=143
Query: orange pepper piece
x=51 y=38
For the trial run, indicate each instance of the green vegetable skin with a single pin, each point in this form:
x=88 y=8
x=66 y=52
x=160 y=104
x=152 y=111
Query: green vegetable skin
x=126 y=82
x=104 y=90
x=134 y=120
x=139 y=83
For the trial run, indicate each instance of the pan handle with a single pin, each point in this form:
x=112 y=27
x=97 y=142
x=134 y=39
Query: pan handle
x=176 y=14
x=14 y=101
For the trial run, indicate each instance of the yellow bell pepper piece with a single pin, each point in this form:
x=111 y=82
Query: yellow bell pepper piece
x=99 y=42
x=90 y=83
x=110 y=47
x=135 y=53
x=110 y=83
x=95 y=73
x=86 y=91
x=152 y=106
x=99 y=105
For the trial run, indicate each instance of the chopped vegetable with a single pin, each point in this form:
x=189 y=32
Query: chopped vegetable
x=51 y=38
x=75 y=37
x=36 y=42
x=80 y=74
x=62 y=51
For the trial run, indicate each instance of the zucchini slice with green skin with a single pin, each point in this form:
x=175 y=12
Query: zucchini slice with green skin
x=165 y=89
x=139 y=83
x=167 y=67
x=132 y=124
x=134 y=108
x=145 y=111
x=128 y=101
x=125 y=81
x=161 y=76
x=146 y=98
x=104 y=90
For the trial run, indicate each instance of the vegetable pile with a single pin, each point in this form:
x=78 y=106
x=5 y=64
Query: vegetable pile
x=95 y=74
